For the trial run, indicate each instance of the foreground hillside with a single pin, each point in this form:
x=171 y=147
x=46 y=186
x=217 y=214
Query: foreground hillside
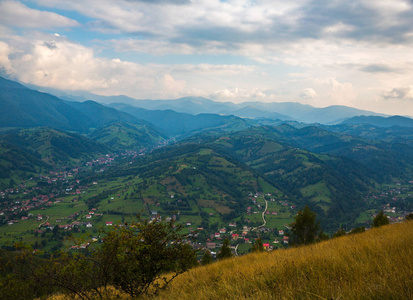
x=375 y=265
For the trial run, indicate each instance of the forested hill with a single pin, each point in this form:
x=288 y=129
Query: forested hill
x=381 y=121
x=28 y=108
x=330 y=171
x=54 y=147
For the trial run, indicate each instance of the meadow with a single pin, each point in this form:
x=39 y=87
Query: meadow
x=377 y=264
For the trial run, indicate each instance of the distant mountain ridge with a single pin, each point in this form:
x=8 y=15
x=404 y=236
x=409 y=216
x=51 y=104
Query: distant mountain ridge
x=181 y=124
x=381 y=121
x=196 y=105
x=26 y=108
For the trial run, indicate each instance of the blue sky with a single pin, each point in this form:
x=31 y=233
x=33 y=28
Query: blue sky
x=357 y=53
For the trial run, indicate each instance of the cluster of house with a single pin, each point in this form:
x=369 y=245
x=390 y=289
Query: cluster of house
x=17 y=206
x=214 y=240
x=70 y=226
x=393 y=195
x=250 y=211
x=103 y=160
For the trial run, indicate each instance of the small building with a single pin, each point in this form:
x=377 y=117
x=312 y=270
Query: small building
x=211 y=245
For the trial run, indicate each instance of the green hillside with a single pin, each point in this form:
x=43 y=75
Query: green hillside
x=16 y=164
x=26 y=108
x=203 y=185
x=99 y=115
x=54 y=147
x=332 y=185
x=199 y=186
x=121 y=136
x=385 y=161
x=395 y=134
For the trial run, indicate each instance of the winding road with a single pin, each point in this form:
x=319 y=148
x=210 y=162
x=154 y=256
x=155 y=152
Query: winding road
x=43 y=222
x=263 y=217
x=255 y=228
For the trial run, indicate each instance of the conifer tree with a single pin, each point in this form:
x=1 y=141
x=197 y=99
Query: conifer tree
x=225 y=251
x=207 y=258
x=258 y=246
x=306 y=228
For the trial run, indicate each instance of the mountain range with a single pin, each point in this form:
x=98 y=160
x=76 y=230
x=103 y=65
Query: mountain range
x=214 y=163
x=197 y=105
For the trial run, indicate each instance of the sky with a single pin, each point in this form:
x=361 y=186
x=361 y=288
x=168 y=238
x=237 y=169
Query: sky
x=356 y=53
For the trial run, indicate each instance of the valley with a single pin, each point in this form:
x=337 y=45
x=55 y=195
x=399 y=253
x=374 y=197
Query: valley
x=218 y=176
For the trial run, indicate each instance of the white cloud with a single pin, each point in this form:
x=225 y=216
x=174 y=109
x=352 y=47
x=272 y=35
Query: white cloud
x=241 y=94
x=54 y=61
x=308 y=93
x=5 y=51
x=14 y=13
x=58 y=63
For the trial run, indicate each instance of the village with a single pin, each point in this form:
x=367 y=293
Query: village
x=53 y=205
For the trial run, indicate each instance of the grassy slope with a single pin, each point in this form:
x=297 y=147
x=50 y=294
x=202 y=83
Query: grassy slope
x=127 y=136
x=54 y=147
x=375 y=265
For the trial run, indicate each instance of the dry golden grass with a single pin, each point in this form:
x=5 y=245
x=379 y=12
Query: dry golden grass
x=377 y=264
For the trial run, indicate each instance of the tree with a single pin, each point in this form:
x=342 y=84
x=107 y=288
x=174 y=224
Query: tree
x=380 y=219
x=409 y=217
x=322 y=236
x=306 y=228
x=258 y=246
x=340 y=232
x=141 y=254
x=357 y=230
x=137 y=258
x=207 y=258
x=225 y=251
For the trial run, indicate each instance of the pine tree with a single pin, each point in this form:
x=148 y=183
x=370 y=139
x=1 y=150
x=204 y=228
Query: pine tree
x=258 y=246
x=207 y=258
x=306 y=228
x=225 y=251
